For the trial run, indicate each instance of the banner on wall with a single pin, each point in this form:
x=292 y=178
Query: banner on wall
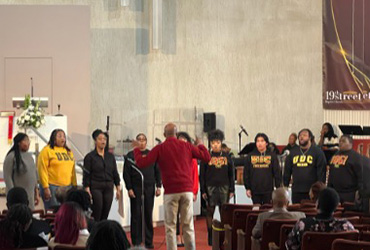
x=362 y=146
x=346 y=54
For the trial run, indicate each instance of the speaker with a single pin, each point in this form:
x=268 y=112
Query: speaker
x=209 y=121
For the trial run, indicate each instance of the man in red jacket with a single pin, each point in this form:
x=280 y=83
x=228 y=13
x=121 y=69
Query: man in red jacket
x=174 y=158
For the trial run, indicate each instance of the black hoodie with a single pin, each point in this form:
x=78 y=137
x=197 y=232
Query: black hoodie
x=261 y=172
x=218 y=172
x=346 y=171
x=306 y=166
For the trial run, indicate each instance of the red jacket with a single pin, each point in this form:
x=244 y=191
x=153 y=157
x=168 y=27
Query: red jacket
x=175 y=161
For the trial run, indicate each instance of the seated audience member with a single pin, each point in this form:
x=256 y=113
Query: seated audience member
x=13 y=229
x=18 y=195
x=323 y=222
x=70 y=226
x=61 y=196
x=280 y=201
x=315 y=190
x=107 y=234
x=82 y=198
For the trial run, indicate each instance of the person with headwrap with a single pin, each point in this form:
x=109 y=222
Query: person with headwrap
x=20 y=170
x=217 y=184
x=100 y=176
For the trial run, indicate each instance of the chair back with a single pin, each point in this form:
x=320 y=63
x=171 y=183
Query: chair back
x=68 y=248
x=251 y=222
x=365 y=236
x=323 y=240
x=353 y=219
x=227 y=211
x=239 y=222
x=271 y=231
x=341 y=244
x=284 y=232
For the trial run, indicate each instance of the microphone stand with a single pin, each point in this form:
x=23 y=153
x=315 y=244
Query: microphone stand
x=240 y=140
x=135 y=167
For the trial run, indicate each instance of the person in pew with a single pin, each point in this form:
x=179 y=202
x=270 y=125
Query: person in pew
x=61 y=196
x=315 y=190
x=107 y=234
x=152 y=188
x=101 y=177
x=14 y=227
x=18 y=195
x=261 y=172
x=70 y=227
x=323 y=222
x=82 y=198
x=280 y=201
x=217 y=183
x=345 y=172
x=20 y=170
x=306 y=164
x=56 y=166
x=174 y=158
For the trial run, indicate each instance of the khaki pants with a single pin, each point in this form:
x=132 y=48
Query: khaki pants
x=184 y=203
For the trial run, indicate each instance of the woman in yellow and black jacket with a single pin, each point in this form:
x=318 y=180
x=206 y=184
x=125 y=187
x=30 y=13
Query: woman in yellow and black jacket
x=56 y=168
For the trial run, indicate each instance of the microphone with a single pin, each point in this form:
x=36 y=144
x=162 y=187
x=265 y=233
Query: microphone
x=158 y=140
x=243 y=130
x=286 y=153
x=107 y=123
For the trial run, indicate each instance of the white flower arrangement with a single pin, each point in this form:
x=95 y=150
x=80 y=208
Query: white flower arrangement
x=32 y=116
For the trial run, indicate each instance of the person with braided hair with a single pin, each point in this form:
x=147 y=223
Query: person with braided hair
x=20 y=169
x=217 y=184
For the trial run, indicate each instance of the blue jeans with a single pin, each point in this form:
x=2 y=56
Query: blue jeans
x=53 y=200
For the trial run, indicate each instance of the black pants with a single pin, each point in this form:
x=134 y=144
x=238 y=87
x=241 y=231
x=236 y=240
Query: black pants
x=347 y=196
x=135 y=204
x=102 y=196
x=297 y=197
x=262 y=198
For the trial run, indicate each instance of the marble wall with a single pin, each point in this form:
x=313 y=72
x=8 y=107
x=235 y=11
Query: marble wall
x=257 y=63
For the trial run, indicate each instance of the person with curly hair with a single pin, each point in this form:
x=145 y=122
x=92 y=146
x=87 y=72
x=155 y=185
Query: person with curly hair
x=217 y=183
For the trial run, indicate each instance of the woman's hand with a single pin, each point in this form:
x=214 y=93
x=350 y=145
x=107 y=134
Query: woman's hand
x=47 y=194
x=231 y=195
x=87 y=189
x=37 y=196
x=118 y=192
x=249 y=193
x=131 y=194
x=157 y=192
